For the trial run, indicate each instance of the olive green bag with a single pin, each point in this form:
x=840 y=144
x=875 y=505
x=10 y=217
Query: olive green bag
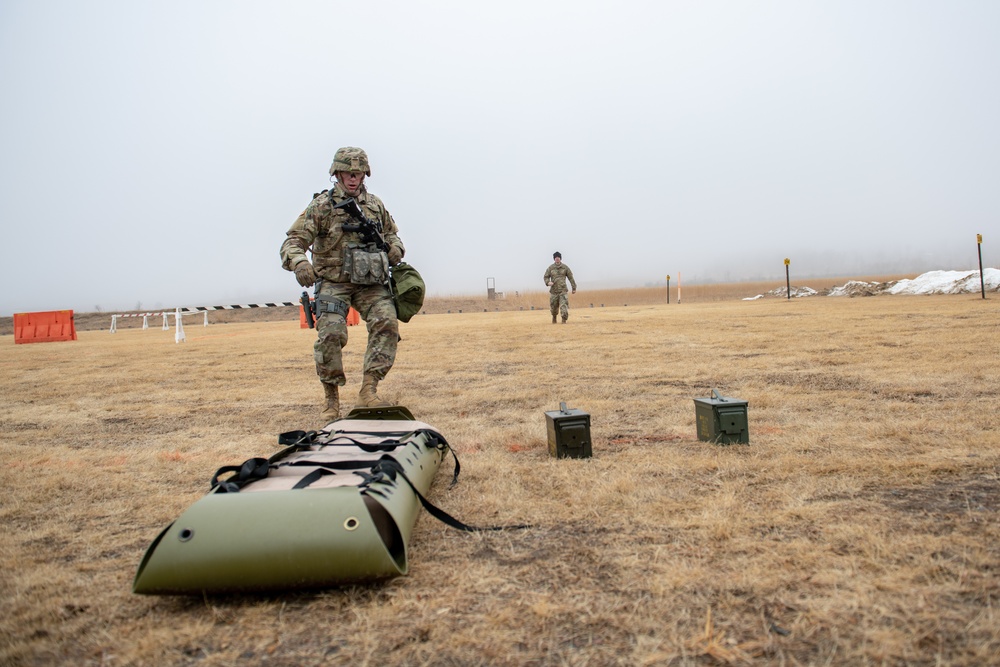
x=407 y=291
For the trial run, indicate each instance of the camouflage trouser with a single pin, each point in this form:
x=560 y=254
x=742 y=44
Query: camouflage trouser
x=375 y=306
x=559 y=303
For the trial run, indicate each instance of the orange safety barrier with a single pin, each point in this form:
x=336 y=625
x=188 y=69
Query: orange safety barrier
x=353 y=317
x=44 y=327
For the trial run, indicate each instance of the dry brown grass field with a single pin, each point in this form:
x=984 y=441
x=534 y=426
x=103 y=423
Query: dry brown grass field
x=537 y=300
x=860 y=526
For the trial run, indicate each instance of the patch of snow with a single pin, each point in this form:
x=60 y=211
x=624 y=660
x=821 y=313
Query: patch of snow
x=948 y=282
x=932 y=282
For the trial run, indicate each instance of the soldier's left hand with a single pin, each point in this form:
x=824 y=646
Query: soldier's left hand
x=395 y=255
x=305 y=274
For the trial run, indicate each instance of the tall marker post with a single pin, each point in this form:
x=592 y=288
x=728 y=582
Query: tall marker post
x=788 y=280
x=982 y=283
x=678 y=288
x=668 y=288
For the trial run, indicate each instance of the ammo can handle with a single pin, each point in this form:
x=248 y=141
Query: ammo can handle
x=717 y=395
x=562 y=406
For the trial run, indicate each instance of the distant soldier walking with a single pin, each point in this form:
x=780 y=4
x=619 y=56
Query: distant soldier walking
x=555 y=279
x=348 y=269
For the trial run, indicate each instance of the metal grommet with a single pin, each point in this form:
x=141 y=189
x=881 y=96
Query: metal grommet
x=351 y=523
x=185 y=534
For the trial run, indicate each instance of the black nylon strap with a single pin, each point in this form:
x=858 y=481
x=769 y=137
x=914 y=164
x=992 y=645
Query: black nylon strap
x=298 y=437
x=330 y=304
x=305 y=438
x=331 y=465
x=399 y=434
x=434 y=439
x=384 y=446
x=390 y=467
x=324 y=468
x=249 y=471
x=312 y=477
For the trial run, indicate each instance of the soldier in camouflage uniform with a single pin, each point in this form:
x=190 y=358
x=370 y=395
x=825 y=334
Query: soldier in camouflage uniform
x=555 y=279
x=347 y=272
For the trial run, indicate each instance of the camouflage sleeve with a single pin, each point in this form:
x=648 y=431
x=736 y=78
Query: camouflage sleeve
x=391 y=233
x=299 y=239
x=548 y=273
x=569 y=274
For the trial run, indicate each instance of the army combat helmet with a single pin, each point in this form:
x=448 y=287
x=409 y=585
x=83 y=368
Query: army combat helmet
x=350 y=158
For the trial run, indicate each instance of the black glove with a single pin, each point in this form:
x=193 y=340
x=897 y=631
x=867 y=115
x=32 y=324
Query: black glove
x=304 y=274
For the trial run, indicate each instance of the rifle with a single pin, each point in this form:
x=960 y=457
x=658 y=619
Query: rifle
x=370 y=230
x=307 y=307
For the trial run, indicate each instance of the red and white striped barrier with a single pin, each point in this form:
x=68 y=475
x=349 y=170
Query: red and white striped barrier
x=178 y=314
x=279 y=304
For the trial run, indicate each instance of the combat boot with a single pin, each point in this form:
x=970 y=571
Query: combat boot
x=367 y=397
x=332 y=411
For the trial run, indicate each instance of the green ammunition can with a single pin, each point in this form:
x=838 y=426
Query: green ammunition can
x=569 y=433
x=722 y=419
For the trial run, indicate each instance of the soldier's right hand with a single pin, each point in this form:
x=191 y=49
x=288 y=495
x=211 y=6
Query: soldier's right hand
x=304 y=273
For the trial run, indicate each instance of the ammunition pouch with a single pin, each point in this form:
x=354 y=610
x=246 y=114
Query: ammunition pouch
x=364 y=267
x=330 y=304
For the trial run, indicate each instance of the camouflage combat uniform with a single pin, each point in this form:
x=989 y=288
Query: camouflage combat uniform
x=557 y=274
x=319 y=228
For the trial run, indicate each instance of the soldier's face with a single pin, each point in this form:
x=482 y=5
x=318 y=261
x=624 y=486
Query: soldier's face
x=557 y=260
x=351 y=180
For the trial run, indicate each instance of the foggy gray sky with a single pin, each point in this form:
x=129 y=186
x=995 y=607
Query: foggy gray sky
x=156 y=153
